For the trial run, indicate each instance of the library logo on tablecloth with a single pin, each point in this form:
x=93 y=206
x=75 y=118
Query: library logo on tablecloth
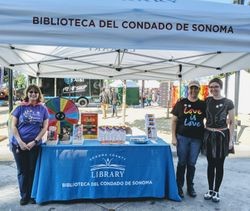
x=107 y=166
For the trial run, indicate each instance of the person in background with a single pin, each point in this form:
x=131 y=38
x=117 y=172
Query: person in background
x=29 y=124
x=218 y=137
x=154 y=96
x=148 y=99
x=187 y=133
x=104 y=100
x=114 y=101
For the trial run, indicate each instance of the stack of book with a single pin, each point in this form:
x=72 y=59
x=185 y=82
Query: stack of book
x=77 y=136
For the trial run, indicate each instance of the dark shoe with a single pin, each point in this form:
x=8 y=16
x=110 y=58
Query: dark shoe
x=32 y=201
x=23 y=202
x=191 y=191
x=180 y=192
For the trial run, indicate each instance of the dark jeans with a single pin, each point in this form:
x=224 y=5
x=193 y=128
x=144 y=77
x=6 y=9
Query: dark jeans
x=188 y=150
x=114 y=109
x=26 y=163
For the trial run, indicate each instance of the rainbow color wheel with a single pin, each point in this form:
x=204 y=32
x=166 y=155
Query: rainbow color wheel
x=63 y=113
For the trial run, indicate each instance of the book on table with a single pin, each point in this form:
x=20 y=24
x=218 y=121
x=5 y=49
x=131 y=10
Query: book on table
x=90 y=125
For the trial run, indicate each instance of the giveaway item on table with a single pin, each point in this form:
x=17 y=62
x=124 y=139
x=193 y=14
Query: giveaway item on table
x=63 y=113
x=90 y=125
x=64 y=136
x=150 y=126
x=112 y=134
x=77 y=136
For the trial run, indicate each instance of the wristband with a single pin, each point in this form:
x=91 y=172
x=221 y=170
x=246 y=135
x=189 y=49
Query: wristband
x=36 y=141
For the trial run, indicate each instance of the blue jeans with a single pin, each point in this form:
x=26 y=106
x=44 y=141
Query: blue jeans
x=114 y=109
x=188 y=150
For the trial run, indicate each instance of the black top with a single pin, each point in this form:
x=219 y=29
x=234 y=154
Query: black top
x=114 y=98
x=190 y=118
x=217 y=111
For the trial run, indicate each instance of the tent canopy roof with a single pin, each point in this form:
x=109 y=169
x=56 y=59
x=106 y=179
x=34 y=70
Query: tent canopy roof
x=124 y=39
x=70 y=62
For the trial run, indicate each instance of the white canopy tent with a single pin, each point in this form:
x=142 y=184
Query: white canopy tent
x=124 y=39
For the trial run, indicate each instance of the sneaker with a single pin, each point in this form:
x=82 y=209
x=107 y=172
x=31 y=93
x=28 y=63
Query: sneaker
x=23 y=202
x=216 y=197
x=208 y=195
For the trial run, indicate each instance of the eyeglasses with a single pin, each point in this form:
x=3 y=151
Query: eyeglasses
x=214 y=87
x=31 y=92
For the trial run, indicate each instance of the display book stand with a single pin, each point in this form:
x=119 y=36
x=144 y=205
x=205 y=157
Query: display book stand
x=76 y=133
x=150 y=127
x=68 y=135
x=88 y=129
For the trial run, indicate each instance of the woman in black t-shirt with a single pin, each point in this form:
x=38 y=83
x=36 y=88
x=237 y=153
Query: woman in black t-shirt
x=187 y=134
x=218 y=136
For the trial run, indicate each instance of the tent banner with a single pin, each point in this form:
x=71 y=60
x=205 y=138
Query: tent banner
x=126 y=24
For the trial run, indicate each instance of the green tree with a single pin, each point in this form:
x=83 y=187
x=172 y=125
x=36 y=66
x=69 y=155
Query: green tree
x=20 y=80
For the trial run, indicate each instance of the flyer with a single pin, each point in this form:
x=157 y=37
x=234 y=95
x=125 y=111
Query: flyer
x=89 y=122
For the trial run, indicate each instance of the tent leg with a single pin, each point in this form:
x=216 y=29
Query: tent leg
x=236 y=103
x=124 y=101
x=10 y=95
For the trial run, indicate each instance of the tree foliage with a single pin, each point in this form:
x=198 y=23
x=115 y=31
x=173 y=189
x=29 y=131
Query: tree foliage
x=20 y=81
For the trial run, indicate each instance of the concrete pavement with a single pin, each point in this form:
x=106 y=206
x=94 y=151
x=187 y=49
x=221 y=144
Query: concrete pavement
x=235 y=191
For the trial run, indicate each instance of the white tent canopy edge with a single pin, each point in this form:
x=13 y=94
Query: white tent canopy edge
x=32 y=34
x=165 y=24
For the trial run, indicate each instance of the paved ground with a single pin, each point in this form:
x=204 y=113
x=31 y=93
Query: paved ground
x=235 y=191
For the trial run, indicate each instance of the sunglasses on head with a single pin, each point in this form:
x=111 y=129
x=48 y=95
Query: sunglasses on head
x=31 y=92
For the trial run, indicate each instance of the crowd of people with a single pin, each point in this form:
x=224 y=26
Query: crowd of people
x=197 y=126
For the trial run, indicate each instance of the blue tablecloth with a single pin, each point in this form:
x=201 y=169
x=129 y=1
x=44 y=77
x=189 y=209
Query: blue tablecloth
x=94 y=170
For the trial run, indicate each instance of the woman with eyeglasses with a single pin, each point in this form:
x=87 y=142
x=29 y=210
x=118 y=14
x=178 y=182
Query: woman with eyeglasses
x=29 y=124
x=218 y=136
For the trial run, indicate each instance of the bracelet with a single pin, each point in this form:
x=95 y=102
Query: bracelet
x=36 y=141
